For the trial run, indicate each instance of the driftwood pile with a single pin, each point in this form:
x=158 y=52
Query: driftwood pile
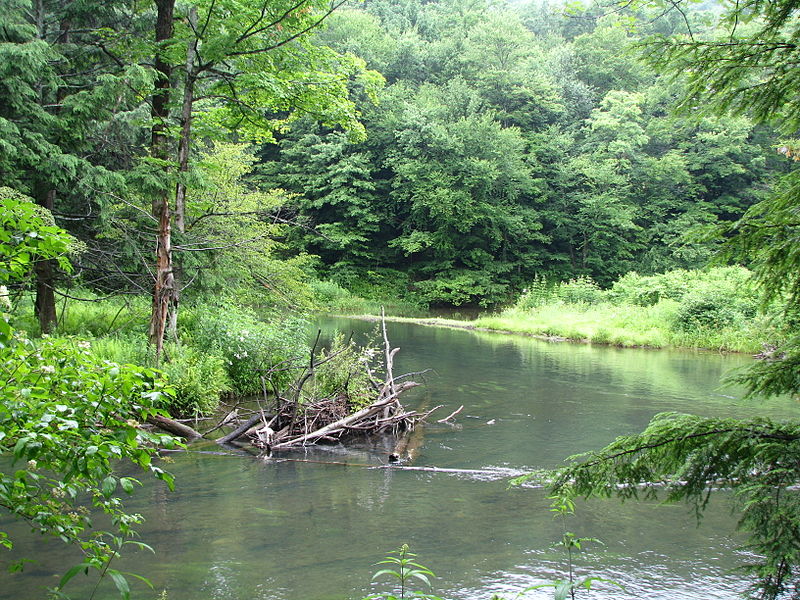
x=330 y=419
x=294 y=418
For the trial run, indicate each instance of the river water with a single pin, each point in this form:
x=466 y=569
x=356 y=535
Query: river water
x=238 y=527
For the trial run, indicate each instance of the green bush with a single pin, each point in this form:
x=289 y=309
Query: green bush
x=329 y=293
x=641 y=290
x=342 y=372
x=538 y=293
x=581 y=290
x=198 y=378
x=248 y=346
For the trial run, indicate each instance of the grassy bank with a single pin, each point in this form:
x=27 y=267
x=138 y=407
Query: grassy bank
x=222 y=348
x=714 y=309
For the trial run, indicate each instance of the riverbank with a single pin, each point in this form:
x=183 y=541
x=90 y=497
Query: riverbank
x=621 y=326
x=714 y=309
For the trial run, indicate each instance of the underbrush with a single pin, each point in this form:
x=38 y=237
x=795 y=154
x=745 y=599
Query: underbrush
x=715 y=309
x=333 y=298
x=223 y=349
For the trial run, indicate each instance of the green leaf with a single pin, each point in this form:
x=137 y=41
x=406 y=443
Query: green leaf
x=122 y=584
x=386 y=572
x=71 y=573
x=108 y=486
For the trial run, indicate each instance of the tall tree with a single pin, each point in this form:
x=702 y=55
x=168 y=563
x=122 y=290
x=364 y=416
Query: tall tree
x=248 y=67
x=59 y=91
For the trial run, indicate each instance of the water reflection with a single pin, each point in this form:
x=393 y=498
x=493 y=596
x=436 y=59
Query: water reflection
x=239 y=527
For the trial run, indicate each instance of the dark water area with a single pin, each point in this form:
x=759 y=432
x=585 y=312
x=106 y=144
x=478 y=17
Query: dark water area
x=311 y=528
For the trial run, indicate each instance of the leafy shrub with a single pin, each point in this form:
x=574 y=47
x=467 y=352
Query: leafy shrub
x=581 y=290
x=640 y=290
x=720 y=297
x=635 y=289
x=198 y=378
x=372 y=284
x=712 y=308
x=328 y=293
x=343 y=372
x=248 y=346
x=538 y=293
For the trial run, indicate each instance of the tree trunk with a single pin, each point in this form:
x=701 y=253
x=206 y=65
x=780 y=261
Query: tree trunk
x=164 y=287
x=183 y=164
x=45 y=302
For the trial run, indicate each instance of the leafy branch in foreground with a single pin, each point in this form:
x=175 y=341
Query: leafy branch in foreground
x=67 y=418
x=683 y=457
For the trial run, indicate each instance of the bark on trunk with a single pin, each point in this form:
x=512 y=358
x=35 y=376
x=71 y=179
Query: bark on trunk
x=164 y=287
x=183 y=165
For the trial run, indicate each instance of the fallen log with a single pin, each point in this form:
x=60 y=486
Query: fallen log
x=174 y=427
x=239 y=431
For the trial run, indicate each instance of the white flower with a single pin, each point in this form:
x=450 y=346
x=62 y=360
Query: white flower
x=85 y=345
x=5 y=302
x=48 y=369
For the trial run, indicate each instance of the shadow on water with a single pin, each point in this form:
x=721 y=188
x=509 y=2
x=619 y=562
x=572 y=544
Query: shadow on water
x=241 y=527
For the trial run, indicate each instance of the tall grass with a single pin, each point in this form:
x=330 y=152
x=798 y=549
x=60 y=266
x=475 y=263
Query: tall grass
x=715 y=309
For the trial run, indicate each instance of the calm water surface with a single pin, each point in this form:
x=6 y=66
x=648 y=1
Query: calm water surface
x=238 y=527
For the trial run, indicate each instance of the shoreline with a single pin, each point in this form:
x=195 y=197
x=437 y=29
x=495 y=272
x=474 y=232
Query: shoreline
x=466 y=325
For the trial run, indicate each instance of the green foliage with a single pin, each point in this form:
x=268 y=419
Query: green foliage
x=680 y=457
x=27 y=234
x=196 y=378
x=69 y=417
x=404 y=570
x=539 y=291
x=511 y=143
x=581 y=290
x=68 y=420
x=715 y=309
x=199 y=379
x=343 y=371
x=102 y=316
x=248 y=346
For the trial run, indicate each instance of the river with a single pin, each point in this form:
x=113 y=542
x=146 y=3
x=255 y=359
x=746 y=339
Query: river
x=239 y=527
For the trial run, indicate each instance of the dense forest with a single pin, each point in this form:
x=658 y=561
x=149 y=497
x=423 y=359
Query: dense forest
x=182 y=183
x=513 y=141
x=444 y=152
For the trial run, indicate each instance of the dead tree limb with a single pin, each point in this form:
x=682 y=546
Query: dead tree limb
x=172 y=426
x=342 y=424
x=241 y=430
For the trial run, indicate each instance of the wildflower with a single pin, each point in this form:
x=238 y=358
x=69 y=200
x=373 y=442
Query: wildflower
x=84 y=344
x=32 y=464
x=48 y=369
